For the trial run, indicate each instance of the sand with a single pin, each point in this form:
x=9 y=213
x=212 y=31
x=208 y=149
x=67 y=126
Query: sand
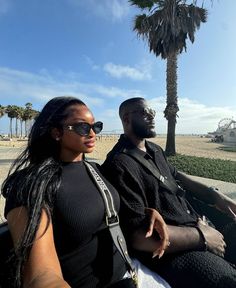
x=187 y=145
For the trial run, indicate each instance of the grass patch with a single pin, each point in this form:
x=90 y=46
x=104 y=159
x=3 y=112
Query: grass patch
x=224 y=170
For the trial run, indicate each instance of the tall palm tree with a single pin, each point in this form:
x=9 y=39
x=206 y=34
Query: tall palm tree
x=28 y=115
x=21 y=116
x=17 y=117
x=166 y=26
x=11 y=113
x=2 y=111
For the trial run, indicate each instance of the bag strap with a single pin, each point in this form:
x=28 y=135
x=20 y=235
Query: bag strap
x=153 y=169
x=112 y=220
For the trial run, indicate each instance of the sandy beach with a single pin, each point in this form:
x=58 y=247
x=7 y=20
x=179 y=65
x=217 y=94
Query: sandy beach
x=187 y=145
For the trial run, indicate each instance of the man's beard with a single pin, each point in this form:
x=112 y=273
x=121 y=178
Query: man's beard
x=142 y=131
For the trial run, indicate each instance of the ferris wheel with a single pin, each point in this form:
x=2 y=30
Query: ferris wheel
x=224 y=124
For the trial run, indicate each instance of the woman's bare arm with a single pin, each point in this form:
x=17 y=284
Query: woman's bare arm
x=42 y=269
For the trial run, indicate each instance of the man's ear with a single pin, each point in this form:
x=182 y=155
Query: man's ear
x=126 y=119
x=56 y=134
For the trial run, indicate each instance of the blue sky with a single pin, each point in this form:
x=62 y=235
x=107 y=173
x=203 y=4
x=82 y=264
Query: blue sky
x=88 y=49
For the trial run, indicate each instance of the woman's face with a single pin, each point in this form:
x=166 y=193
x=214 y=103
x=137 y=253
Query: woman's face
x=72 y=144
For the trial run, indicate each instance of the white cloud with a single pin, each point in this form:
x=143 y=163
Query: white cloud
x=119 y=8
x=111 y=10
x=19 y=86
x=194 y=117
x=41 y=87
x=91 y=63
x=114 y=92
x=119 y=71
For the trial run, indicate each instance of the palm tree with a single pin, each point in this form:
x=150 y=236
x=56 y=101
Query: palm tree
x=167 y=26
x=28 y=115
x=17 y=117
x=2 y=111
x=11 y=113
x=21 y=118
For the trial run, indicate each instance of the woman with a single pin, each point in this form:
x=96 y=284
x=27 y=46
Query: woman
x=54 y=210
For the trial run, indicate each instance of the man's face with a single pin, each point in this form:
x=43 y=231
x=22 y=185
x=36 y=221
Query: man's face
x=142 y=120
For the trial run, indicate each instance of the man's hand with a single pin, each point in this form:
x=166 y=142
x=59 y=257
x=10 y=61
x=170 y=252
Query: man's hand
x=214 y=239
x=157 y=223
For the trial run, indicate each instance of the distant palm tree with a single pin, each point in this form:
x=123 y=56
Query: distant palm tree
x=17 y=117
x=28 y=115
x=167 y=26
x=21 y=116
x=10 y=111
x=2 y=111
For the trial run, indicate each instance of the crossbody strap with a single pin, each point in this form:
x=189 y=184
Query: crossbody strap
x=112 y=219
x=169 y=185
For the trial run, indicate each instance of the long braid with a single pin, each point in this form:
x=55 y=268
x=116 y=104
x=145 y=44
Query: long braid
x=35 y=177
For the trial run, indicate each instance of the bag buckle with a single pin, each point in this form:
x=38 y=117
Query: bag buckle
x=134 y=277
x=112 y=221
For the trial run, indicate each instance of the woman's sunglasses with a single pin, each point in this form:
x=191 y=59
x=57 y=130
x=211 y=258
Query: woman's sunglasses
x=83 y=128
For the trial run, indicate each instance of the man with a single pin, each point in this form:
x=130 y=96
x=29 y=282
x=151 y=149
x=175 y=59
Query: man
x=196 y=256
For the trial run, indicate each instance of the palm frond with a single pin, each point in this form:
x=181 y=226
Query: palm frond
x=140 y=24
x=168 y=29
x=143 y=4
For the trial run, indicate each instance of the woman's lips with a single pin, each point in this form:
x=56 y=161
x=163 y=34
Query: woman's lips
x=90 y=144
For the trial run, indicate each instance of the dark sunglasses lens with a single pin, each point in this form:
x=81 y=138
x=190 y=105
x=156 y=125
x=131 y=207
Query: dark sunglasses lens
x=82 y=128
x=97 y=127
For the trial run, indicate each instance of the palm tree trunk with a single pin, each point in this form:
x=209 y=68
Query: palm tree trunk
x=25 y=129
x=16 y=128
x=172 y=103
x=21 y=123
x=11 y=128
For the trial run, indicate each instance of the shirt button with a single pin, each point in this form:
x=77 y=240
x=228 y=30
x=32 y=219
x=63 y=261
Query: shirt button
x=188 y=211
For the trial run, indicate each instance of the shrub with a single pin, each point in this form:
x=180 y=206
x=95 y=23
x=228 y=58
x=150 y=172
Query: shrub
x=224 y=170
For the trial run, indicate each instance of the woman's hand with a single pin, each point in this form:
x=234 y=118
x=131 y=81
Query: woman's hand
x=158 y=223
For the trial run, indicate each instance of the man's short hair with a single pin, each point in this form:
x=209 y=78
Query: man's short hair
x=127 y=105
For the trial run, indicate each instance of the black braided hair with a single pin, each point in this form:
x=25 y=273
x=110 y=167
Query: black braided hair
x=36 y=174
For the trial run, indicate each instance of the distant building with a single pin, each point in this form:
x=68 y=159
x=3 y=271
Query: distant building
x=226 y=131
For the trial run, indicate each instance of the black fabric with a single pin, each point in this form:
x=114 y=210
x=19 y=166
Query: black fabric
x=165 y=183
x=138 y=189
x=196 y=269
x=83 y=242
x=6 y=246
x=124 y=283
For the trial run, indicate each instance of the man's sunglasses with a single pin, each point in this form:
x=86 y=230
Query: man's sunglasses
x=145 y=112
x=83 y=128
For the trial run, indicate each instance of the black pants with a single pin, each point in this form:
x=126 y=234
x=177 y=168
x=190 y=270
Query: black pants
x=199 y=269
